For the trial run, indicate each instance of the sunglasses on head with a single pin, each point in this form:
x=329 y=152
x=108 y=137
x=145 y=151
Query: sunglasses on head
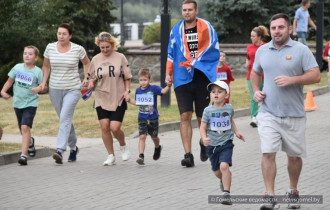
x=105 y=36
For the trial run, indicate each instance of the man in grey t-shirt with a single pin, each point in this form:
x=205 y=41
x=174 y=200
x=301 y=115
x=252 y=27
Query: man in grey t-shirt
x=287 y=66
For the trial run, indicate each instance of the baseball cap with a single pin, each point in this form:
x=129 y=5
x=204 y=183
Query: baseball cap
x=219 y=83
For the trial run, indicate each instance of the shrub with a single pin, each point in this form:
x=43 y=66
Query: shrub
x=151 y=34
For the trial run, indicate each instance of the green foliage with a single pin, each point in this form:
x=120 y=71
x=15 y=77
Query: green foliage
x=4 y=74
x=151 y=34
x=34 y=22
x=234 y=19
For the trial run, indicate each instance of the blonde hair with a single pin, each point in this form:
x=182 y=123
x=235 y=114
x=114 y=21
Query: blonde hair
x=106 y=37
x=36 y=50
x=144 y=73
x=261 y=31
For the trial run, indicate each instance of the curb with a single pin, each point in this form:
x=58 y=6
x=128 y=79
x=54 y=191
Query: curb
x=12 y=157
x=173 y=126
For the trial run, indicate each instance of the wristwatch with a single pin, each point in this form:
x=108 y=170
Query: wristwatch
x=128 y=90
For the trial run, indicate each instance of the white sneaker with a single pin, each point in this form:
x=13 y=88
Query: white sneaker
x=110 y=161
x=254 y=122
x=125 y=154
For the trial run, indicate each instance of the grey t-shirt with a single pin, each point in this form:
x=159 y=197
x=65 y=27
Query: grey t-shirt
x=219 y=128
x=293 y=59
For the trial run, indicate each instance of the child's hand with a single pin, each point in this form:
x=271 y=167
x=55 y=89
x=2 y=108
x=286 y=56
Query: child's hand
x=5 y=95
x=206 y=141
x=240 y=136
x=36 y=90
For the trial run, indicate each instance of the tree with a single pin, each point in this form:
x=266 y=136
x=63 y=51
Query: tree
x=34 y=22
x=234 y=19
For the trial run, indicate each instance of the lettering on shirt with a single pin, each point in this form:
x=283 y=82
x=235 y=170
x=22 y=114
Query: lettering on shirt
x=222 y=76
x=192 y=41
x=220 y=122
x=24 y=79
x=111 y=71
x=121 y=74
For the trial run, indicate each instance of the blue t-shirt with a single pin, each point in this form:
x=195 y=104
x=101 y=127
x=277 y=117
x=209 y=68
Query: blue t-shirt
x=219 y=128
x=148 y=98
x=302 y=19
x=25 y=80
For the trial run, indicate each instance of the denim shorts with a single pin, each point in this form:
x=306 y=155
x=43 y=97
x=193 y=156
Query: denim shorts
x=148 y=127
x=25 y=116
x=218 y=154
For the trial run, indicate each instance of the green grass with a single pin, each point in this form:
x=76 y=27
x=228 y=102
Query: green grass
x=85 y=119
x=8 y=147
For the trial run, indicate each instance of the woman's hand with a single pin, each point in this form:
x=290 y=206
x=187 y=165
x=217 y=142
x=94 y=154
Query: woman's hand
x=84 y=82
x=126 y=96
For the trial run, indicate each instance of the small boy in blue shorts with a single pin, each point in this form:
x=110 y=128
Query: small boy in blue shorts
x=26 y=78
x=217 y=131
x=146 y=99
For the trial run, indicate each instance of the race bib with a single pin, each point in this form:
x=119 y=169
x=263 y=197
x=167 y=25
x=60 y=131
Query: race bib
x=222 y=76
x=24 y=78
x=144 y=99
x=220 y=124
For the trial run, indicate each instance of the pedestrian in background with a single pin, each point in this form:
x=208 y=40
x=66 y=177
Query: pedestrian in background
x=224 y=72
x=258 y=36
x=301 y=21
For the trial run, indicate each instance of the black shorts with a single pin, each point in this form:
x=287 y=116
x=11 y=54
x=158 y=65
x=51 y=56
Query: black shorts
x=148 y=127
x=117 y=115
x=195 y=91
x=25 y=116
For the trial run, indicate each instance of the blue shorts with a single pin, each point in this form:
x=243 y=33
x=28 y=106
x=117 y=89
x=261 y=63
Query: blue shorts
x=218 y=154
x=25 y=116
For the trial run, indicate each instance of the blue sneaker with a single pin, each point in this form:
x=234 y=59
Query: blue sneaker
x=73 y=155
x=58 y=157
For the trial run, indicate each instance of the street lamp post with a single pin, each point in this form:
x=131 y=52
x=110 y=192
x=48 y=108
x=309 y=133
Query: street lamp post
x=165 y=35
x=319 y=31
x=122 y=26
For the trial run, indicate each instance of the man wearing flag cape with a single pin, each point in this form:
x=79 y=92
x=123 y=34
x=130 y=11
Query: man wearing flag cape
x=193 y=55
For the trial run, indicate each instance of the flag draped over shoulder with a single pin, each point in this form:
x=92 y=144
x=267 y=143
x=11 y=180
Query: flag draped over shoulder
x=179 y=63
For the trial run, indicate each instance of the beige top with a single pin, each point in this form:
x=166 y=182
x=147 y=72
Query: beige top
x=110 y=73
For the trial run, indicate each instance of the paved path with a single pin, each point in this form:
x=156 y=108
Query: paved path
x=163 y=184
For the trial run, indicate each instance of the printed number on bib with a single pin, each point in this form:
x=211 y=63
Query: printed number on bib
x=222 y=76
x=220 y=124
x=24 y=78
x=144 y=99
